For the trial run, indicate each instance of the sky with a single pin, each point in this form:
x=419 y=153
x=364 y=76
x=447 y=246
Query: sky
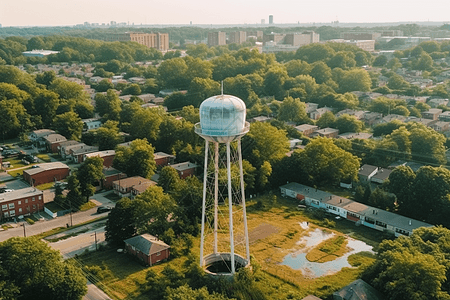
x=162 y=12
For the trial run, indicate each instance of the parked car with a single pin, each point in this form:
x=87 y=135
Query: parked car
x=5 y=190
x=31 y=158
x=103 y=209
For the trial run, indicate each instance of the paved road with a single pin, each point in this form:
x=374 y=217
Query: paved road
x=42 y=226
x=94 y=293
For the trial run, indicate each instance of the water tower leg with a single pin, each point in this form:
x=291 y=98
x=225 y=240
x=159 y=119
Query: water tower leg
x=244 y=209
x=216 y=193
x=230 y=209
x=205 y=178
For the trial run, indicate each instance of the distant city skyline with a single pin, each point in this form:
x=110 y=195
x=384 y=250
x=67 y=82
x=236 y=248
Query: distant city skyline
x=202 y=12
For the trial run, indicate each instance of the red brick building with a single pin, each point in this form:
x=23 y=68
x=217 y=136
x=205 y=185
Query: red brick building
x=147 y=248
x=21 y=202
x=163 y=159
x=107 y=155
x=185 y=169
x=77 y=155
x=45 y=173
x=111 y=175
x=53 y=142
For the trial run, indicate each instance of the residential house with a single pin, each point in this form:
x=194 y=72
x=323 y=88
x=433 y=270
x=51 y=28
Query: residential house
x=140 y=188
x=426 y=122
x=311 y=297
x=93 y=123
x=53 y=141
x=435 y=102
x=310 y=107
x=123 y=187
x=326 y=132
x=147 y=248
x=390 y=118
x=440 y=126
x=65 y=149
x=307 y=129
x=381 y=176
x=21 y=202
x=371 y=118
x=38 y=134
x=366 y=172
x=110 y=175
x=445 y=116
x=106 y=155
x=353 y=135
x=77 y=155
x=163 y=159
x=432 y=113
x=185 y=169
x=315 y=115
x=351 y=210
x=358 y=114
x=260 y=119
x=358 y=289
x=46 y=173
x=65 y=144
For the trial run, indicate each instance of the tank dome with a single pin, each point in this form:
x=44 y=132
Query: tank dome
x=222 y=115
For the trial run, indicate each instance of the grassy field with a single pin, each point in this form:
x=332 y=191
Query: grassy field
x=17 y=173
x=87 y=206
x=45 y=186
x=16 y=163
x=328 y=250
x=274 y=232
x=44 y=157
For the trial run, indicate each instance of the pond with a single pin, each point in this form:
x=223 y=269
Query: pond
x=298 y=259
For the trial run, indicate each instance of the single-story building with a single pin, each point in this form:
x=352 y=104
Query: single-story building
x=307 y=129
x=185 y=169
x=358 y=289
x=381 y=176
x=326 y=132
x=147 y=248
x=124 y=187
x=110 y=175
x=45 y=173
x=65 y=148
x=41 y=133
x=77 y=155
x=354 y=211
x=366 y=172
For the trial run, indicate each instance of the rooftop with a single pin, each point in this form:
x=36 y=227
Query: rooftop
x=55 y=137
x=19 y=194
x=46 y=167
x=101 y=153
x=184 y=166
x=147 y=243
x=307 y=191
x=131 y=181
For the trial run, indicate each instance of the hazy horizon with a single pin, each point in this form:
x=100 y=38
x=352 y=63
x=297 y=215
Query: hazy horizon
x=201 y=12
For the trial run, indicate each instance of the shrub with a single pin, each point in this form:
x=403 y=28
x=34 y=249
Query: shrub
x=29 y=221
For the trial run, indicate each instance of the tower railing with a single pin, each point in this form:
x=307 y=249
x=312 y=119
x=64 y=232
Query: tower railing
x=221 y=132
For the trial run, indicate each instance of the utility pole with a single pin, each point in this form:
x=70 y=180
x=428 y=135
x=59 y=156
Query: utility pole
x=24 y=232
x=71 y=221
x=95 y=233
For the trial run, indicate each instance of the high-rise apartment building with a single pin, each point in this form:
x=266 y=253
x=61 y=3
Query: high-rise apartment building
x=360 y=35
x=217 y=38
x=237 y=37
x=270 y=19
x=157 y=40
x=301 y=39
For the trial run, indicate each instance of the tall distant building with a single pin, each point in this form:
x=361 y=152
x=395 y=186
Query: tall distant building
x=157 y=40
x=263 y=21
x=301 y=39
x=217 y=38
x=270 y=19
x=237 y=37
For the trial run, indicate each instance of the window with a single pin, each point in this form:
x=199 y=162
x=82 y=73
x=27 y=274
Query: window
x=158 y=253
x=4 y=207
x=19 y=202
x=26 y=200
x=12 y=213
x=34 y=206
x=40 y=197
x=401 y=231
x=381 y=224
x=11 y=205
x=315 y=202
x=34 y=198
x=6 y=214
x=20 y=209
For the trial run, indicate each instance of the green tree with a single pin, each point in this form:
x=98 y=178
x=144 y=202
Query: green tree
x=120 y=224
x=292 y=110
x=355 y=80
x=90 y=173
x=172 y=73
x=297 y=67
x=347 y=123
x=108 y=106
x=107 y=136
x=104 y=85
x=326 y=120
x=326 y=163
x=30 y=269
x=321 y=72
x=67 y=90
x=46 y=104
x=146 y=123
x=380 y=61
x=274 y=81
x=68 y=124
x=136 y=160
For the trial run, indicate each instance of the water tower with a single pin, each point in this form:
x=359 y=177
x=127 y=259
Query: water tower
x=224 y=243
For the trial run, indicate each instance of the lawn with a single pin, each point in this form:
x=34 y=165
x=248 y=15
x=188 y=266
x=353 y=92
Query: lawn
x=16 y=163
x=274 y=230
x=16 y=173
x=45 y=186
x=328 y=250
x=87 y=206
x=111 y=196
x=44 y=157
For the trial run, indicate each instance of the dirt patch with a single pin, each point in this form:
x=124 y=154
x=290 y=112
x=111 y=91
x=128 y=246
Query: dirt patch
x=261 y=232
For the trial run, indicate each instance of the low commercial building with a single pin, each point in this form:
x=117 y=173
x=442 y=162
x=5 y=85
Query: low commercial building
x=147 y=248
x=125 y=187
x=53 y=141
x=45 y=173
x=21 y=202
x=111 y=175
x=163 y=159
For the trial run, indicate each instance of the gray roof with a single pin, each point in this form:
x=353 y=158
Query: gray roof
x=311 y=297
x=45 y=167
x=184 y=166
x=382 y=174
x=20 y=194
x=307 y=191
x=84 y=150
x=55 y=137
x=366 y=170
x=357 y=290
x=147 y=243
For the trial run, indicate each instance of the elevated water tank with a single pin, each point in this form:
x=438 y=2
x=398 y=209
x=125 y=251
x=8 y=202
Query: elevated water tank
x=222 y=115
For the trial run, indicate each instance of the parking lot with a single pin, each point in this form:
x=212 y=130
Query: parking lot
x=16 y=184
